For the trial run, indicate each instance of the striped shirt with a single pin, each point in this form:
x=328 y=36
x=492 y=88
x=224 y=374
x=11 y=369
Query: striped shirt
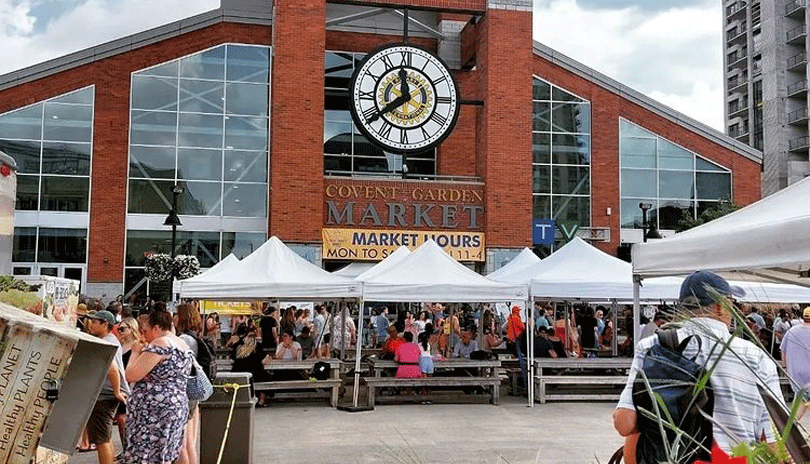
x=738 y=407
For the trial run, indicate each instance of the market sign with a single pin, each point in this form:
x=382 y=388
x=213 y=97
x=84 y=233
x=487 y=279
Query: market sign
x=228 y=308
x=376 y=245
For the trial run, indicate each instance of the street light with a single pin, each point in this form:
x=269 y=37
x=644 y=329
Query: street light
x=172 y=219
x=647 y=230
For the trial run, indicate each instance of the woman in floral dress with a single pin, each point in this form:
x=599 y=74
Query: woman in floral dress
x=158 y=406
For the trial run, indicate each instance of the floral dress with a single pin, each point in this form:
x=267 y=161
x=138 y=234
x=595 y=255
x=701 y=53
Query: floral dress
x=157 y=410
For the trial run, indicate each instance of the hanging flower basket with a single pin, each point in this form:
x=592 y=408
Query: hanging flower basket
x=159 y=267
x=186 y=266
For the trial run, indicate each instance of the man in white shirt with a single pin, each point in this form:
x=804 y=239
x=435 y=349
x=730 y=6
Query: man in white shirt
x=796 y=357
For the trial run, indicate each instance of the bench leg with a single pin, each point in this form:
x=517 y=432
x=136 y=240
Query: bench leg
x=542 y=391
x=335 y=395
x=496 y=394
x=370 y=395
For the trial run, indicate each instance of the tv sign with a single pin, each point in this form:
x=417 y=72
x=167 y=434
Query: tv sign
x=543 y=232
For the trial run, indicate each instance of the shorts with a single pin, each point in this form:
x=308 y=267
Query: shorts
x=426 y=364
x=99 y=425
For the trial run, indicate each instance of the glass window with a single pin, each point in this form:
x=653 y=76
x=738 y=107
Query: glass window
x=25 y=123
x=151 y=162
x=200 y=130
x=65 y=193
x=209 y=64
x=79 y=97
x=246 y=166
x=570 y=209
x=153 y=128
x=676 y=184
x=67 y=122
x=241 y=244
x=154 y=93
x=571 y=117
x=66 y=158
x=25 y=245
x=571 y=149
x=573 y=180
x=27 y=193
x=558 y=94
x=245 y=200
x=541 y=90
x=201 y=96
x=62 y=245
x=199 y=164
x=541 y=178
x=166 y=69
x=246 y=99
x=25 y=153
x=150 y=196
x=248 y=64
x=541 y=148
x=200 y=199
x=639 y=183
x=542 y=116
x=541 y=206
x=672 y=180
x=712 y=185
x=243 y=133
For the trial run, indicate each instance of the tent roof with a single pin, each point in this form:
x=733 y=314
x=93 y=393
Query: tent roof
x=210 y=274
x=430 y=274
x=272 y=271
x=523 y=260
x=765 y=234
x=389 y=262
x=354 y=269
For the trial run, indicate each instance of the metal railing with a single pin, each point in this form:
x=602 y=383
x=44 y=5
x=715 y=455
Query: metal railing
x=794 y=33
x=796 y=60
x=737 y=31
x=790 y=7
x=797 y=115
x=797 y=87
x=799 y=143
x=737 y=106
x=731 y=9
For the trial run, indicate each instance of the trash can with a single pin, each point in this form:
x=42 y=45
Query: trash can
x=214 y=418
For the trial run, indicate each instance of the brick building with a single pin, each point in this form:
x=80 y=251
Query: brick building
x=246 y=109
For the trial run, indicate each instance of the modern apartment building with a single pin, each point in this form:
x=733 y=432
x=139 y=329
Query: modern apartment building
x=766 y=104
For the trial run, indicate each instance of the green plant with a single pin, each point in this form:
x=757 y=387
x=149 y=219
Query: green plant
x=711 y=213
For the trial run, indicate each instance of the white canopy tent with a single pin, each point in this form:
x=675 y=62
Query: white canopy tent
x=765 y=234
x=514 y=267
x=389 y=262
x=354 y=269
x=272 y=271
x=212 y=274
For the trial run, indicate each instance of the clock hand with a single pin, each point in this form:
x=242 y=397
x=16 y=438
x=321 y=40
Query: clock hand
x=403 y=79
x=389 y=107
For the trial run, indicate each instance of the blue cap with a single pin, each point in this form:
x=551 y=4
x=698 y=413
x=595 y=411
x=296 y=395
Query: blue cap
x=694 y=288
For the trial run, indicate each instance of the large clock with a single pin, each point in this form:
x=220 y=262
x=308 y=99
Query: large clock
x=404 y=99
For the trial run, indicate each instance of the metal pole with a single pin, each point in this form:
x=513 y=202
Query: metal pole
x=530 y=354
x=357 y=355
x=636 y=308
x=614 y=345
x=405 y=25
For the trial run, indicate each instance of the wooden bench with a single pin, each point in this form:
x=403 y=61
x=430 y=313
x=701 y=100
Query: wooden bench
x=281 y=385
x=542 y=394
x=373 y=383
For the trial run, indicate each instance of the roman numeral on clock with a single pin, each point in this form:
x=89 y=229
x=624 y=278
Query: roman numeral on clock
x=366 y=95
x=385 y=129
x=386 y=59
x=438 y=118
x=369 y=113
x=446 y=100
x=403 y=136
x=406 y=59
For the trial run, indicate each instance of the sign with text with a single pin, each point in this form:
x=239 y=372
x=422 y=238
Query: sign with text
x=229 y=308
x=376 y=245
x=543 y=232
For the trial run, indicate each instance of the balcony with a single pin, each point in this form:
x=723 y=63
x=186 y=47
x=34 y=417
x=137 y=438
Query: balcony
x=756 y=67
x=795 y=8
x=735 y=9
x=738 y=132
x=796 y=62
x=797 y=88
x=737 y=107
x=799 y=116
x=799 y=143
x=736 y=83
x=796 y=35
x=736 y=35
x=738 y=59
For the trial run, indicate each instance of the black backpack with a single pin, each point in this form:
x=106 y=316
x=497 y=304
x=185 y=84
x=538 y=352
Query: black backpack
x=206 y=355
x=674 y=378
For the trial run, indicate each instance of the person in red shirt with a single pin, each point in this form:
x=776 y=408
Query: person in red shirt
x=389 y=348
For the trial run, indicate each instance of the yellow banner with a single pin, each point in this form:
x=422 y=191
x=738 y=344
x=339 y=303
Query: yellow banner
x=230 y=308
x=376 y=245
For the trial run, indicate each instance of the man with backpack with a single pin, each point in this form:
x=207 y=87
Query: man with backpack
x=731 y=400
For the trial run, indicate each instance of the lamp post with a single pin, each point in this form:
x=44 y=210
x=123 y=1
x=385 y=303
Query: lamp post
x=647 y=230
x=172 y=219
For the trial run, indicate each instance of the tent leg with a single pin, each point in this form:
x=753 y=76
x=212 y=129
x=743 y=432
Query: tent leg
x=355 y=407
x=614 y=344
x=636 y=308
x=530 y=328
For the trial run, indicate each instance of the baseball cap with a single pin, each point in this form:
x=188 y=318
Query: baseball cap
x=806 y=313
x=694 y=288
x=102 y=315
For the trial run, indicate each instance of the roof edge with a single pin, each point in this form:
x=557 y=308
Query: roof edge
x=132 y=42
x=612 y=85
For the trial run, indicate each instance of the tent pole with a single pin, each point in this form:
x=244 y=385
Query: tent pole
x=357 y=355
x=343 y=314
x=530 y=354
x=614 y=344
x=636 y=308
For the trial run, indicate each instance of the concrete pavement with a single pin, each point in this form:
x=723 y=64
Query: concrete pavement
x=314 y=433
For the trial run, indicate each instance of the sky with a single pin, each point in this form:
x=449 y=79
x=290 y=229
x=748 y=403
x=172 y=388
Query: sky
x=670 y=50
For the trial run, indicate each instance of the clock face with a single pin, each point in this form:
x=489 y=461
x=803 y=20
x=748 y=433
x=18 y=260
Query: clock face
x=404 y=98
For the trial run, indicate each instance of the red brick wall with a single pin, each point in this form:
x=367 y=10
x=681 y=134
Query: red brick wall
x=504 y=135
x=111 y=76
x=296 y=161
x=443 y=5
x=606 y=108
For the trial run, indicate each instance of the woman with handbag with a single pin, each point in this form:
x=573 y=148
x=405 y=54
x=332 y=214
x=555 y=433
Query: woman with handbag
x=158 y=406
x=187 y=326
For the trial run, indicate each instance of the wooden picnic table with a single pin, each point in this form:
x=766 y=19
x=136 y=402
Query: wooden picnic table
x=580 y=378
x=332 y=383
x=488 y=368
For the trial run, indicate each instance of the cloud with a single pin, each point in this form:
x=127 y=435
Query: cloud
x=87 y=23
x=673 y=54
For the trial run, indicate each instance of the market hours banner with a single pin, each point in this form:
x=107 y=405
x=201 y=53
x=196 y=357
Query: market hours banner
x=376 y=245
